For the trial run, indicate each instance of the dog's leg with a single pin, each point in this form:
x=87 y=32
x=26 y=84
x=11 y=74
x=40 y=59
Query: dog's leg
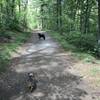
x=39 y=36
x=44 y=37
x=34 y=87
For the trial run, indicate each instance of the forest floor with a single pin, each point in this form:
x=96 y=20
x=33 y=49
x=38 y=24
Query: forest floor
x=60 y=75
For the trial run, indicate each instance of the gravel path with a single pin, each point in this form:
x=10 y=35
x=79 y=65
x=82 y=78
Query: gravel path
x=53 y=67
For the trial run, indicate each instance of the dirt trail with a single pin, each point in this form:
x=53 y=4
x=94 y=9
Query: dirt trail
x=53 y=67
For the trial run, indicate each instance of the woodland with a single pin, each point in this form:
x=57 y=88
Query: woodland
x=74 y=23
x=49 y=49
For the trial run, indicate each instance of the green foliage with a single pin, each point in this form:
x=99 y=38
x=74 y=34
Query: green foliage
x=7 y=48
x=83 y=56
x=76 y=41
x=84 y=42
x=95 y=71
x=97 y=50
x=4 y=59
x=61 y=39
x=73 y=41
x=76 y=20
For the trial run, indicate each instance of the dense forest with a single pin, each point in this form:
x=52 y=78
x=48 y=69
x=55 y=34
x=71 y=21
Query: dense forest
x=74 y=22
x=49 y=49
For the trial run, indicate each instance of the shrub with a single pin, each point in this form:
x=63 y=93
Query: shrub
x=84 y=42
x=7 y=48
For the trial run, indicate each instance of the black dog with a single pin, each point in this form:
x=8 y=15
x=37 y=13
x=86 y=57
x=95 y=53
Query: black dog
x=41 y=35
x=32 y=82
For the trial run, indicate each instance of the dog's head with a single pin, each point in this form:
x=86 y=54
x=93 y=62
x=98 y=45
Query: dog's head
x=32 y=75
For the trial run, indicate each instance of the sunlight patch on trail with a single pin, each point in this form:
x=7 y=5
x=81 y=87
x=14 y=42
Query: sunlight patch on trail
x=41 y=46
x=29 y=96
x=25 y=69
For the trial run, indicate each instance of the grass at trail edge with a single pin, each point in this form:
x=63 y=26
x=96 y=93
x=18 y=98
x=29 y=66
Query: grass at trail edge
x=79 y=53
x=6 y=48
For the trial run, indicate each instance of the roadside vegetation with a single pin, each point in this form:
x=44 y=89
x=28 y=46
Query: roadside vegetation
x=88 y=64
x=80 y=48
x=8 y=46
x=16 y=22
x=75 y=24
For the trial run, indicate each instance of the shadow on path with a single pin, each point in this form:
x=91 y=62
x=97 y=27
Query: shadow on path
x=51 y=64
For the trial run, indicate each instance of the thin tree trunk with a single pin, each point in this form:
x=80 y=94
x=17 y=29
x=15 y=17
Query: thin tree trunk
x=86 y=17
x=59 y=15
x=1 y=6
x=13 y=7
x=42 y=21
x=25 y=15
x=19 y=4
x=99 y=21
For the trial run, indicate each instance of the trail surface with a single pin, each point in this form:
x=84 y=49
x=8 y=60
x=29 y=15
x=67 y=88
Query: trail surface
x=54 y=67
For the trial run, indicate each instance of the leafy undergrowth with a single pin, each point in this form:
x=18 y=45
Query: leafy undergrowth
x=87 y=65
x=17 y=38
x=82 y=52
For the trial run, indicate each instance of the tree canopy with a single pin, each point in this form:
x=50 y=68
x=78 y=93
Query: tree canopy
x=76 y=21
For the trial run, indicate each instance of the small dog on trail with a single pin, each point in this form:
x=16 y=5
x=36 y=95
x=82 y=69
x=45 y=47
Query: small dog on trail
x=32 y=82
x=41 y=35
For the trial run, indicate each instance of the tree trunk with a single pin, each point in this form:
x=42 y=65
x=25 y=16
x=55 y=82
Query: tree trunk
x=13 y=8
x=1 y=7
x=19 y=5
x=99 y=22
x=42 y=21
x=59 y=15
x=25 y=15
x=86 y=17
